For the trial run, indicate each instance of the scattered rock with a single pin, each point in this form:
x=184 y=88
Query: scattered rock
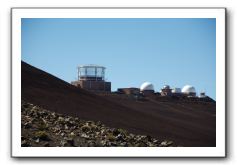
x=27 y=125
x=37 y=140
x=85 y=128
x=24 y=143
x=166 y=143
x=120 y=138
x=43 y=128
x=46 y=144
x=42 y=135
x=70 y=141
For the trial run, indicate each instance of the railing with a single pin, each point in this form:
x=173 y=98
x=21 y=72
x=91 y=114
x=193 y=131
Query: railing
x=90 y=78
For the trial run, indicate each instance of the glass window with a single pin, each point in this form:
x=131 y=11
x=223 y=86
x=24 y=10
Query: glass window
x=91 y=72
x=82 y=71
x=99 y=72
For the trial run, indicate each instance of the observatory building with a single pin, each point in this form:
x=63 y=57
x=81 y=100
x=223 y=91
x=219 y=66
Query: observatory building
x=189 y=90
x=92 y=77
x=202 y=95
x=176 y=92
x=147 y=88
x=166 y=91
x=129 y=91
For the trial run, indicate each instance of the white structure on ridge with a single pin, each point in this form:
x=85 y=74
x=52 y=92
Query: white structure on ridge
x=147 y=88
x=189 y=90
x=176 y=90
x=202 y=95
x=166 y=91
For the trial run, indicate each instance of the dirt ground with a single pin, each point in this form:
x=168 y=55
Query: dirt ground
x=188 y=123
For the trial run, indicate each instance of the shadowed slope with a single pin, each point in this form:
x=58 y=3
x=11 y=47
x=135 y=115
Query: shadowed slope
x=188 y=124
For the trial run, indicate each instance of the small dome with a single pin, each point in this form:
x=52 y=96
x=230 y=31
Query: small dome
x=147 y=86
x=188 y=89
x=202 y=94
x=166 y=87
x=176 y=90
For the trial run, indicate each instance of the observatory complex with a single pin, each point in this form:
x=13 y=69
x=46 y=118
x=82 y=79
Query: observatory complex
x=92 y=77
x=189 y=90
x=166 y=91
x=147 y=88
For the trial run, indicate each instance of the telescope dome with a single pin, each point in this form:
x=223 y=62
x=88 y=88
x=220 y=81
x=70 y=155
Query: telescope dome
x=166 y=87
x=147 y=86
x=176 y=90
x=188 y=89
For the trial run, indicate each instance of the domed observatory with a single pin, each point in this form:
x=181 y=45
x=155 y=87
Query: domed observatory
x=92 y=77
x=202 y=95
x=189 y=90
x=166 y=91
x=147 y=88
x=176 y=92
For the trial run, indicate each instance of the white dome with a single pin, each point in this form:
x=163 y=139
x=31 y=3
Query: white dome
x=166 y=87
x=202 y=95
x=188 y=89
x=146 y=86
x=176 y=90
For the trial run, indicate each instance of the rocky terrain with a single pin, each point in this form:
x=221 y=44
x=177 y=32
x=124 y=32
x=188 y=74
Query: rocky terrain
x=42 y=128
x=190 y=122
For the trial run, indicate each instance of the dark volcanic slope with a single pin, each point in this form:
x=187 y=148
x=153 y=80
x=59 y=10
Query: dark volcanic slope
x=186 y=123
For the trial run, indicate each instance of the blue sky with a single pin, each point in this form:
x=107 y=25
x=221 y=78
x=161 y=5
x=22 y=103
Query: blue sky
x=162 y=51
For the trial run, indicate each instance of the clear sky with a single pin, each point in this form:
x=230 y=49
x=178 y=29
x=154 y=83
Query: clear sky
x=162 y=51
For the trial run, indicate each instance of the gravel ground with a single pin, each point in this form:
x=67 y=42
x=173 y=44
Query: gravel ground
x=42 y=128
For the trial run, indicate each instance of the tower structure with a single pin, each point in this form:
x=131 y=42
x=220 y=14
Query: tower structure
x=92 y=77
x=166 y=91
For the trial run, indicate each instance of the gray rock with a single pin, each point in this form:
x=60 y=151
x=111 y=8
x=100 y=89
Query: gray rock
x=120 y=138
x=70 y=141
x=24 y=143
x=45 y=128
x=166 y=143
x=85 y=128
x=46 y=144
x=27 y=125
x=37 y=140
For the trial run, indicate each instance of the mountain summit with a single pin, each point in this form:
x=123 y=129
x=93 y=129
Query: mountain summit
x=187 y=122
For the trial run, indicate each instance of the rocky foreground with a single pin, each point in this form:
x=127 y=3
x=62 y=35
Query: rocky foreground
x=42 y=128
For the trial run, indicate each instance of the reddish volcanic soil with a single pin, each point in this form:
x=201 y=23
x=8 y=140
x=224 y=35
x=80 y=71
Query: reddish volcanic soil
x=187 y=123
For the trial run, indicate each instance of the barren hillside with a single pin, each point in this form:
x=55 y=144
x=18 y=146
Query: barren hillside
x=188 y=123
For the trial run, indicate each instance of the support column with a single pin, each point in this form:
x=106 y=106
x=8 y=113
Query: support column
x=78 y=73
x=95 y=73
x=103 y=74
x=85 y=73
